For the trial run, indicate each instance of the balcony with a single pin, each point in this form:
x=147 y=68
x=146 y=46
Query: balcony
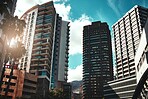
x=35 y=59
x=4 y=86
x=30 y=84
x=33 y=71
x=37 y=44
x=34 y=64
x=39 y=30
x=29 y=90
x=39 y=25
x=41 y=12
x=40 y=54
x=37 y=48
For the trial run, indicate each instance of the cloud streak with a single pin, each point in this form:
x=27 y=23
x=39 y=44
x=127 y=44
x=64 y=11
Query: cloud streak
x=112 y=4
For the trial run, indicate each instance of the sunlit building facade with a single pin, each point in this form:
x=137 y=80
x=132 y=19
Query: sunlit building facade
x=46 y=40
x=97 y=59
x=141 y=64
x=22 y=84
x=38 y=40
x=127 y=32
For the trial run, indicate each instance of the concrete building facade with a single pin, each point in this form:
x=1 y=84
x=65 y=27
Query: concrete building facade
x=141 y=64
x=127 y=33
x=46 y=39
x=38 y=40
x=22 y=85
x=59 y=71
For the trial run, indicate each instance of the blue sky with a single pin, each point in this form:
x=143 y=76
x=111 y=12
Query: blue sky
x=80 y=13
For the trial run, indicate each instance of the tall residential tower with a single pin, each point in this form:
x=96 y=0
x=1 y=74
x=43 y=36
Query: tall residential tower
x=127 y=33
x=46 y=39
x=59 y=62
x=97 y=59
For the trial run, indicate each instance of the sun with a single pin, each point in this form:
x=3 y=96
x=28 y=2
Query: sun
x=12 y=42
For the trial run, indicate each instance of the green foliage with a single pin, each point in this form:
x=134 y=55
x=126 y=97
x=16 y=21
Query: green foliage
x=17 y=51
x=56 y=94
x=12 y=27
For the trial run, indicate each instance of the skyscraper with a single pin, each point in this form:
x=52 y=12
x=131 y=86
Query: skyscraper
x=46 y=42
x=60 y=53
x=38 y=40
x=97 y=59
x=127 y=32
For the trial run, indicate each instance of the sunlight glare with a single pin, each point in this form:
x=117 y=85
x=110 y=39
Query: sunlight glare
x=12 y=42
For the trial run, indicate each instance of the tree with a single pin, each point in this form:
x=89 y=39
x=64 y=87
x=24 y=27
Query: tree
x=56 y=94
x=12 y=27
x=16 y=53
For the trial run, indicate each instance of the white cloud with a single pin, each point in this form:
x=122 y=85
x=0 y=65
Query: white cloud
x=24 y=5
x=63 y=10
x=76 y=32
x=75 y=74
x=76 y=26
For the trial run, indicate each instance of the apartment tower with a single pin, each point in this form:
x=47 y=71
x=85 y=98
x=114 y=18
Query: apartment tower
x=127 y=32
x=38 y=40
x=46 y=39
x=97 y=59
x=60 y=53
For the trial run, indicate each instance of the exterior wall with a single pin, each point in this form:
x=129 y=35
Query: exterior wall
x=120 y=88
x=40 y=44
x=127 y=32
x=97 y=59
x=13 y=91
x=29 y=86
x=60 y=53
x=18 y=83
x=67 y=90
x=28 y=37
x=141 y=64
x=55 y=52
x=63 y=56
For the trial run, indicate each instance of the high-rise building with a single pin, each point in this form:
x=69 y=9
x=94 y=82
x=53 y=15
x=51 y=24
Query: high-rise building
x=127 y=33
x=46 y=40
x=38 y=41
x=60 y=53
x=97 y=59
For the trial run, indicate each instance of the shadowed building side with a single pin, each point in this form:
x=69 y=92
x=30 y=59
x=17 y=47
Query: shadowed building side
x=97 y=59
